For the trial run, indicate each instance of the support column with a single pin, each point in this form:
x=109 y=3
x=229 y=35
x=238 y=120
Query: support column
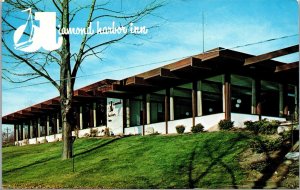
x=16 y=132
x=253 y=97
x=31 y=129
x=199 y=98
x=57 y=123
x=194 y=102
x=167 y=107
x=127 y=113
x=144 y=114
x=95 y=114
x=48 y=126
x=282 y=100
x=91 y=113
x=124 y=115
x=22 y=132
x=148 y=111
x=54 y=124
x=80 y=118
x=227 y=97
x=39 y=127
x=28 y=130
x=171 y=94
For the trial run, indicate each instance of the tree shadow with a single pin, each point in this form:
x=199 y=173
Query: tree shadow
x=272 y=165
x=32 y=164
x=97 y=147
x=214 y=161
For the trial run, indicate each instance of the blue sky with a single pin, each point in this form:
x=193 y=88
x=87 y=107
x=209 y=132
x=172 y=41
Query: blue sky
x=228 y=23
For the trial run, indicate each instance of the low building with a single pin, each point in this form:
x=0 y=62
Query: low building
x=205 y=88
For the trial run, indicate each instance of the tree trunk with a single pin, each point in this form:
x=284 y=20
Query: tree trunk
x=66 y=86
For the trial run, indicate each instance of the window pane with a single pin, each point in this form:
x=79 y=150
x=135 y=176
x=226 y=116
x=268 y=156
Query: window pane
x=182 y=103
x=157 y=108
x=241 y=91
x=269 y=98
x=212 y=95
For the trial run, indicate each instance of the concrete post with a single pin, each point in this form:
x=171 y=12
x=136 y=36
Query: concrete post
x=23 y=131
x=48 y=126
x=80 y=118
x=95 y=114
x=17 y=132
x=39 y=127
x=148 y=107
x=171 y=104
x=199 y=98
x=57 y=123
x=31 y=129
x=127 y=113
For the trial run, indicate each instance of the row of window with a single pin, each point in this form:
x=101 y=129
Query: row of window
x=212 y=99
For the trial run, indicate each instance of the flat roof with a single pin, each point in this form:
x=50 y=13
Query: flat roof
x=197 y=67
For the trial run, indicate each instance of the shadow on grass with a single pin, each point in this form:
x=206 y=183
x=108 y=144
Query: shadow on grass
x=272 y=165
x=31 y=164
x=214 y=161
x=97 y=147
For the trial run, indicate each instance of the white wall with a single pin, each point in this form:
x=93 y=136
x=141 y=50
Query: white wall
x=133 y=130
x=210 y=121
x=157 y=127
x=186 y=122
x=239 y=119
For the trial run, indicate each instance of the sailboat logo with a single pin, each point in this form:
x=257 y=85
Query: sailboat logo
x=42 y=36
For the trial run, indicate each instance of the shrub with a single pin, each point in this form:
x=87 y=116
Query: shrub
x=225 y=124
x=180 y=129
x=263 y=126
x=94 y=132
x=266 y=145
x=251 y=126
x=197 y=128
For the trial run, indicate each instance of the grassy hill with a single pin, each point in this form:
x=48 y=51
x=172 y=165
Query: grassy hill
x=208 y=160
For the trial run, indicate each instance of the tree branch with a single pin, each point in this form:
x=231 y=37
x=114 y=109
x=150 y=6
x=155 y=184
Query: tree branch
x=46 y=76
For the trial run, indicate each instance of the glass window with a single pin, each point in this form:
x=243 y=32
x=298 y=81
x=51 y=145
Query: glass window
x=269 y=98
x=86 y=115
x=136 y=113
x=212 y=95
x=157 y=108
x=241 y=92
x=182 y=97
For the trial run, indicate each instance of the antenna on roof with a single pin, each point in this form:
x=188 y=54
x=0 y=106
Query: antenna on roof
x=202 y=31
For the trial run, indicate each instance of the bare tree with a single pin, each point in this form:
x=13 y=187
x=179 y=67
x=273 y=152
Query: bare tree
x=23 y=67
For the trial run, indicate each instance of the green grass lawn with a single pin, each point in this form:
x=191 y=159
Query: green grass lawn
x=208 y=160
